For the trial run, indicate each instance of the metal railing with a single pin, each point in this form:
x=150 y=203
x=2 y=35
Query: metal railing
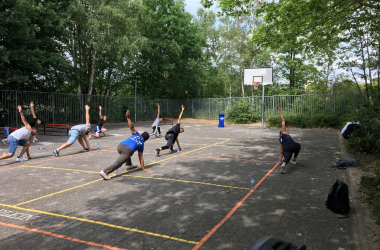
x=69 y=108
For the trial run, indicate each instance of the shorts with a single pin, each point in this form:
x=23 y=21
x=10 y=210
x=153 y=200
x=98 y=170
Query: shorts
x=74 y=134
x=97 y=129
x=13 y=143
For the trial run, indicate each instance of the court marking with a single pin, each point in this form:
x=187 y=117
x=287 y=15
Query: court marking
x=62 y=191
x=60 y=236
x=212 y=231
x=102 y=223
x=10 y=168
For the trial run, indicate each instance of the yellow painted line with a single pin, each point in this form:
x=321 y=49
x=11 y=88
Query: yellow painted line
x=101 y=223
x=184 y=181
x=184 y=143
x=67 y=169
x=59 y=192
x=258 y=147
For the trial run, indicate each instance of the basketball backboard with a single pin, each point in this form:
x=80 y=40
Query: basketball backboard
x=262 y=75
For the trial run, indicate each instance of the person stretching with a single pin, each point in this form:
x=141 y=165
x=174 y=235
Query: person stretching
x=78 y=132
x=126 y=149
x=32 y=122
x=20 y=137
x=172 y=136
x=99 y=127
x=287 y=145
x=156 y=124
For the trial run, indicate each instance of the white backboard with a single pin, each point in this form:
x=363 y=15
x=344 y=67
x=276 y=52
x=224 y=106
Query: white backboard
x=252 y=75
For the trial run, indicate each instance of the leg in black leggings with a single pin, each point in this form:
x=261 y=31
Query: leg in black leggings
x=293 y=148
x=170 y=141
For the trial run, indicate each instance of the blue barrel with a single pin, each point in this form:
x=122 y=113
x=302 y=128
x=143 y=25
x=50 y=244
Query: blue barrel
x=221 y=121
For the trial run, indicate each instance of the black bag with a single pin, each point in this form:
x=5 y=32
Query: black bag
x=338 y=199
x=274 y=243
x=350 y=128
x=346 y=163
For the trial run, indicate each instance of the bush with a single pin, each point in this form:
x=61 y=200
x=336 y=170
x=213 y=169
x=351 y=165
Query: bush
x=370 y=188
x=301 y=121
x=366 y=139
x=240 y=113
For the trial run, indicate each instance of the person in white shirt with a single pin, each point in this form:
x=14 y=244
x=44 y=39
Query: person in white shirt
x=20 y=137
x=156 y=124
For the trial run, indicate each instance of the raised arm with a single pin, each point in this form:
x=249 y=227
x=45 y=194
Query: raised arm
x=87 y=115
x=283 y=128
x=158 y=112
x=100 y=112
x=131 y=127
x=32 y=109
x=180 y=115
x=27 y=126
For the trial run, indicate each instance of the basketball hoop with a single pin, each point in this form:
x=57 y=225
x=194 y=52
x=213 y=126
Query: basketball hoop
x=255 y=85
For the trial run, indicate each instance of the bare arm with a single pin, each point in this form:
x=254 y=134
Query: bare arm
x=87 y=144
x=100 y=112
x=158 y=112
x=283 y=128
x=32 y=109
x=141 y=158
x=131 y=127
x=181 y=149
x=27 y=126
x=87 y=115
x=180 y=115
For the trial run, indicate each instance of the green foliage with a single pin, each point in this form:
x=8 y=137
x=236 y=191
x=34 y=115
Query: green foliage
x=366 y=139
x=240 y=113
x=302 y=121
x=370 y=188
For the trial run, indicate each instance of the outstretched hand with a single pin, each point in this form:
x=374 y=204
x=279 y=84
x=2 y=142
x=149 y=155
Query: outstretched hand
x=128 y=114
x=158 y=105
x=31 y=104
x=147 y=170
x=87 y=107
x=278 y=107
x=183 y=107
x=100 y=107
x=19 y=108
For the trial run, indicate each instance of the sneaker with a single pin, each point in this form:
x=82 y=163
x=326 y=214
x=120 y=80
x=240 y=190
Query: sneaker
x=159 y=135
x=157 y=152
x=294 y=162
x=19 y=159
x=56 y=153
x=86 y=150
x=283 y=169
x=5 y=142
x=171 y=149
x=131 y=166
x=35 y=140
x=104 y=175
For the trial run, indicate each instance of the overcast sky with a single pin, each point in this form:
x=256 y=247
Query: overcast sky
x=193 y=5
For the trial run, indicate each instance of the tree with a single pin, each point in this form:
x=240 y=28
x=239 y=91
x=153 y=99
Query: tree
x=169 y=65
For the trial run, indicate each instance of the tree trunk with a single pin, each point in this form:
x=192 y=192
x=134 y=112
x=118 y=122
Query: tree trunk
x=369 y=68
x=108 y=80
x=91 y=76
x=364 y=68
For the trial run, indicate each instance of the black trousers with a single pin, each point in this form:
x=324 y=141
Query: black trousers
x=289 y=149
x=170 y=141
x=154 y=129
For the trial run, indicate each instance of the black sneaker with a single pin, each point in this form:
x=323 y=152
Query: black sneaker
x=171 y=149
x=86 y=150
x=157 y=152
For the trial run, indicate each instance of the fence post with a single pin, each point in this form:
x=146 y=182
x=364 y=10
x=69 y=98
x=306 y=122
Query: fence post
x=301 y=102
x=334 y=101
x=273 y=104
x=192 y=108
x=141 y=101
x=52 y=105
x=209 y=108
x=16 y=111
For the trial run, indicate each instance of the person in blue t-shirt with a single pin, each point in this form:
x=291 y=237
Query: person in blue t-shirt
x=287 y=145
x=126 y=149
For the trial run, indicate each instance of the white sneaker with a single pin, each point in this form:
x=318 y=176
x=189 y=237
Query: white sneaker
x=5 y=142
x=294 y=162
x=104 y=175
x=283 y=169
x=131 y=166
x=19 y=159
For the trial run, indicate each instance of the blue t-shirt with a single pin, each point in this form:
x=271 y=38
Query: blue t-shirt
x=285 y=139
x=135 y=142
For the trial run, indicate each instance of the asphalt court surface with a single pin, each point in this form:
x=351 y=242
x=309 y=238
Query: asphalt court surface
x=200 y=199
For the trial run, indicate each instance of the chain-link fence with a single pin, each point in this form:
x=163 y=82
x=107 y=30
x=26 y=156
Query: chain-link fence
x=69 y=108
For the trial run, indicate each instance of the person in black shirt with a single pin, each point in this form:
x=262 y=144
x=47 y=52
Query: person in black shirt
x=99 y=127
x=172 y=136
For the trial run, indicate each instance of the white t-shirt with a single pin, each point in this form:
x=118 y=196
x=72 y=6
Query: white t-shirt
x=21 y=134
